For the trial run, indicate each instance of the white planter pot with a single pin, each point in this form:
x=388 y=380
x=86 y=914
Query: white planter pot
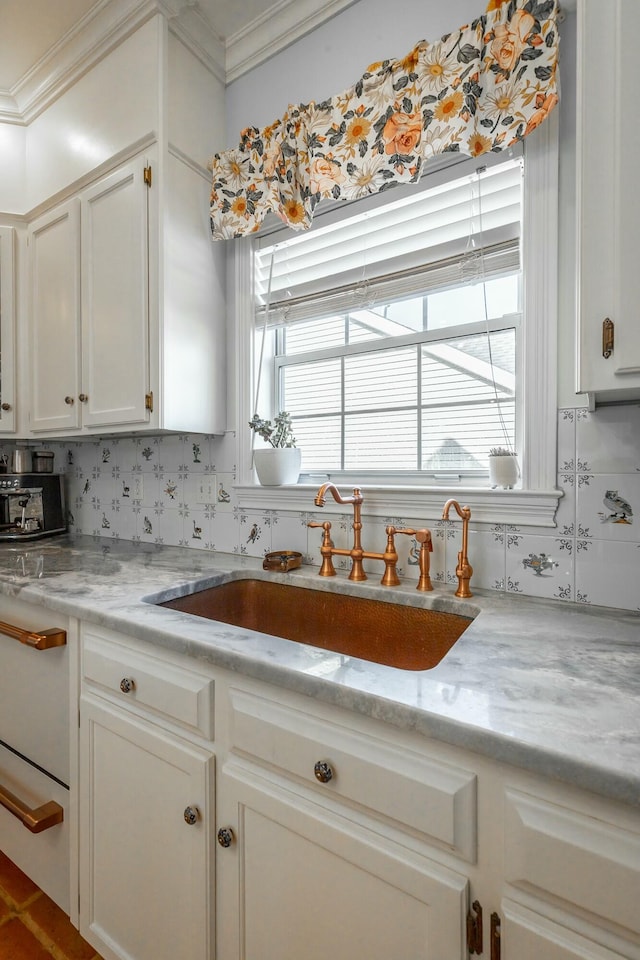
x=277 y=465
x=503 y=472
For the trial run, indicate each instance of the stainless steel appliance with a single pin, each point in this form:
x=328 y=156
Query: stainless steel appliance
x=35 y=724
x=32 y=505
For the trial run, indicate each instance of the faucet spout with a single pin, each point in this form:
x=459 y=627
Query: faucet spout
x=464 y=570
x=337 y=496
x=463 y=512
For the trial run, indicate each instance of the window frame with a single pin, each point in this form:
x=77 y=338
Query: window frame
x=535 y=502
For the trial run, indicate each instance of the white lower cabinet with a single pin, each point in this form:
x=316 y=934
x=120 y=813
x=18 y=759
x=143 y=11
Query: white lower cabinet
x=146 y=811
x=337 y=835
x=299 y=880
x=571 y=878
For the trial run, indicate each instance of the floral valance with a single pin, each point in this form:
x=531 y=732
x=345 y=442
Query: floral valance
x=479 y=89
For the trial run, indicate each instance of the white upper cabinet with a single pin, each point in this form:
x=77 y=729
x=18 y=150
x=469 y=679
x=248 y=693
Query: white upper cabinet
x=125 y=305
x=54 y=312
x=89 y=308
x=7 y=331
x=608 y=151
x=115 y=298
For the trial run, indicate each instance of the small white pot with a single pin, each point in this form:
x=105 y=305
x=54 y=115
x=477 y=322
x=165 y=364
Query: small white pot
x=503 y=472
x=276 y=466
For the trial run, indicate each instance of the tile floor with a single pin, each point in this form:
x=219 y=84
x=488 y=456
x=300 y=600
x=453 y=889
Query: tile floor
x=32 y=927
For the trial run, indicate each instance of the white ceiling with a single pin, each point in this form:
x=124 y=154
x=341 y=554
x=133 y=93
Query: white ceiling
x=31 y=29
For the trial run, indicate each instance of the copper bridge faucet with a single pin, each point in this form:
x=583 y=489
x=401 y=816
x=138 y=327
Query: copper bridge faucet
x=390 y=577
x=464 y=570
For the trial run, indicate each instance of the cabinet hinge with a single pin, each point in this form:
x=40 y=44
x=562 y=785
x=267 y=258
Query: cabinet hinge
x=474 y=928
x=147 y=176
x=148 y=401
x=607 y=338
x=495 y=936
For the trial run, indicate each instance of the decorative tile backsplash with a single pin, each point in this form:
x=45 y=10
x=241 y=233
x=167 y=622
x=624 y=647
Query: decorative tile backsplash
x=178 y=490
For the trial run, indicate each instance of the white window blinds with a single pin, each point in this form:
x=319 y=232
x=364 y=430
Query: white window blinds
x=427 y=239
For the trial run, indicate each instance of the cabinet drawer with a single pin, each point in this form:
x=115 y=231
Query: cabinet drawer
x=430 y=798
x=587 y=862
x=149 y=682
x=44 y=856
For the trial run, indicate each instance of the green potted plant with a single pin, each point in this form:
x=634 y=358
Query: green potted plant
x=278 y=462
x=503 y=468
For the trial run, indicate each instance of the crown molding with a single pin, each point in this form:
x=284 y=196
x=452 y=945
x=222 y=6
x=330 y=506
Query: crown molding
x=110 y=22
x=106 y=26
x=280 y=26
x=195 y=31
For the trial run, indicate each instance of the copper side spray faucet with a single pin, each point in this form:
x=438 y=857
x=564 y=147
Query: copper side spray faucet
x=464 y=570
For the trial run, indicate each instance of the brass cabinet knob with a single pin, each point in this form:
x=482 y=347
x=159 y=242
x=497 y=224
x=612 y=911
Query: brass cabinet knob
x=69 y=401
x=225 y=836
x=82 y=397
x=323 y=771
x=191 y=815
x=6 y=406
x=127 y=685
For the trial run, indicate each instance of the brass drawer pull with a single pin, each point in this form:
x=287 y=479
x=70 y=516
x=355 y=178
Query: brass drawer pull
x=127 y=684
x=41 y=640
x=35 y=820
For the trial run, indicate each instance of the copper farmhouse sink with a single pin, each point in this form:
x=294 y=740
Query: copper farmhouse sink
x=393 y=634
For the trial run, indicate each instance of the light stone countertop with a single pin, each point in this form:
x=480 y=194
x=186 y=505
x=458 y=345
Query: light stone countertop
x=548 y=686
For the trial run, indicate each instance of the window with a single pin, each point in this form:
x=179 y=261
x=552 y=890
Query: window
x=535 y=502
x=395 y=331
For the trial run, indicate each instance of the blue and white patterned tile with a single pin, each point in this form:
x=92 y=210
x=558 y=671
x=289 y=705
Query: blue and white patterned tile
x=566 y=512
x=224 y=492
x=607 y=573
x=148 y=455
x=540 y=566
x=289 y=533
x=487 y=555
x=255 y=533
x=225 y=531
x=197 y=527
x=171 y=489
x=223 y=453
x=197 y=452
x=147 y=525
x=608 y=507
x=566 y=441
x=608 y=440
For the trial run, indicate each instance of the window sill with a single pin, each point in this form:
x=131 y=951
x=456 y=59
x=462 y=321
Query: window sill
x=517 y=507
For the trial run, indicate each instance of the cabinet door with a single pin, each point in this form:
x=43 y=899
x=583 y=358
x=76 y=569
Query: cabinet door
x=115 y=298
x=608 y=150
x=528 y=935
x=54 y=259
x=299 y=881
x=7 y=331
x=144 y=871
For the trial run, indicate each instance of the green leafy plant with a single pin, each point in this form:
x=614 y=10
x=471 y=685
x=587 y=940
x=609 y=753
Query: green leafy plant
x=277 y=433
x=501 y=452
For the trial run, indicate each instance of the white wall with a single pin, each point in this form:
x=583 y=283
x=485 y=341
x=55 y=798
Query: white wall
x=335 y=55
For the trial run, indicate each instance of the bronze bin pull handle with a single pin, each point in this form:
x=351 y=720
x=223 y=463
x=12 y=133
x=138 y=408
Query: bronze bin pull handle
x=34 y=819
x=41 y=640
